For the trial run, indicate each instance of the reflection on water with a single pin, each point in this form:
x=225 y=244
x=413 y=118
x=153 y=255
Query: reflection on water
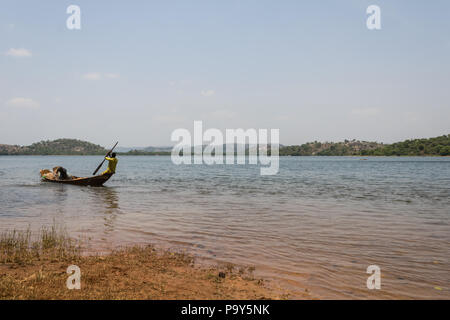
x=107 y=198
x=105 y=202
x=318 y=224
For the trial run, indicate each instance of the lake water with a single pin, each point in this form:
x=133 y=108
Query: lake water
x=317 y=225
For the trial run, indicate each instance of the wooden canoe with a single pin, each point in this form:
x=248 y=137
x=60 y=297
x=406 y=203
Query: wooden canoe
x=95 y=181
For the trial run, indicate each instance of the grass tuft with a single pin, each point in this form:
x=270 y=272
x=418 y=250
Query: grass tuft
x=22 y=247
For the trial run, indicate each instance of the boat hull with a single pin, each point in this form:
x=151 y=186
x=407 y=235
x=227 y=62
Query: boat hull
x=95 y=181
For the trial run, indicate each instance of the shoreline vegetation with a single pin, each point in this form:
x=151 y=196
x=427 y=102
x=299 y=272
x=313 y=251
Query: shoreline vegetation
x=438 y=146
x=33 y=266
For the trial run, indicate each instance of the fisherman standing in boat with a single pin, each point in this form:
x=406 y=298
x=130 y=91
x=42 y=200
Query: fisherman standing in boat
x=112 y=163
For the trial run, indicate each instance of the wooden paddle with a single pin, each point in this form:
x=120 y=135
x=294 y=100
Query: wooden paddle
x=100 y=165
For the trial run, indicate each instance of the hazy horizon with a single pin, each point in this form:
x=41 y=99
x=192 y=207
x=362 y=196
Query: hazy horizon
x=137 y=71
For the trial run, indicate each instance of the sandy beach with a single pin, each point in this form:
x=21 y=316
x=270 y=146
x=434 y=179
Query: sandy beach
x=38 y=270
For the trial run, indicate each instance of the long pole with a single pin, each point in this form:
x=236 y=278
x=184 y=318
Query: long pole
x=100 y=165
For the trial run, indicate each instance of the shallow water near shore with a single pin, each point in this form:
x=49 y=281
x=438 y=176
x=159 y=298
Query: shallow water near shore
x=315 y=226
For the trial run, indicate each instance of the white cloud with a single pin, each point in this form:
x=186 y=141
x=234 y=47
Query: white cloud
x=366 y=112
x=112 y=75
x=207 y=93
x=18 y=53
x=22 y=103
x=92 y=76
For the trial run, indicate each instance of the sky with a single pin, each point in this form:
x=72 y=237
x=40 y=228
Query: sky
x=138 y=70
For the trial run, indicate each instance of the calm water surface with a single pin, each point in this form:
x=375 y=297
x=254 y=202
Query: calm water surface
x=316 y=225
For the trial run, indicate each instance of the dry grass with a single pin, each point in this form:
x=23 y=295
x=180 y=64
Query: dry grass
x=36 y=269
x=52 y=243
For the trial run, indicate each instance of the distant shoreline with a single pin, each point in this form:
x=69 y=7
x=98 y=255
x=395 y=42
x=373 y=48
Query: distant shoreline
x=281 y=156
x=435 y=147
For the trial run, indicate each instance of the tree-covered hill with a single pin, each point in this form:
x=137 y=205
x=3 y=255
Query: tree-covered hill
x=439 y=146
x=55 y=147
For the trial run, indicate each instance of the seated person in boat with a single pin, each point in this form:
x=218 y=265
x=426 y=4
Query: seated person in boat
x=112 y=163
x=60 y=173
